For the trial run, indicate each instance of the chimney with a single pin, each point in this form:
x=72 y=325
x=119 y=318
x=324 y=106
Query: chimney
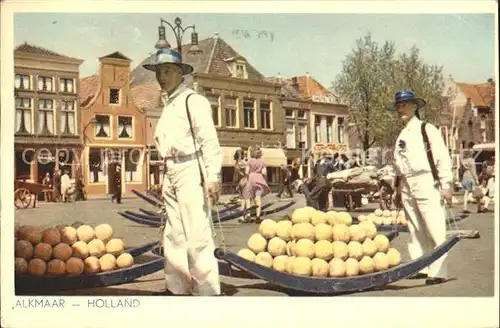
x=280 y=79
x=216 y=35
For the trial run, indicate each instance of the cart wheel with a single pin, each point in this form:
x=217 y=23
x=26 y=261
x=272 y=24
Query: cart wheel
x=22 y=198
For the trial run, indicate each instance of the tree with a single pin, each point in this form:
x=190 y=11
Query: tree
x=370 y=76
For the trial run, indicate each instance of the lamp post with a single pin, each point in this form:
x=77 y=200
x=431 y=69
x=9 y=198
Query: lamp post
x=178 y=31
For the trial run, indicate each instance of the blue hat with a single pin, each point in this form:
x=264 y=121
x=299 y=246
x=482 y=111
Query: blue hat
x=408 y=96
x=168 y=56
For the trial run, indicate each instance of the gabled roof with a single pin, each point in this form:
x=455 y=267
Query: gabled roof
x=212 y=60
x=40 y=51
x=147 y=96
x=88 y=89
x=480 y=95
x=308 y=87
x=287 y=89
x=116 y=55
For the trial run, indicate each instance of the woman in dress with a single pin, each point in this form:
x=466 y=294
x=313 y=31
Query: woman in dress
x=256 y=186
x=240 y=175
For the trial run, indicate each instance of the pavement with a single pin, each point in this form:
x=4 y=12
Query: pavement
x=471 y=261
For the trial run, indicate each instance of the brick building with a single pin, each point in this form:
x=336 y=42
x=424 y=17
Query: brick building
x=46 y=113
x=114 y=128
x=246 y=108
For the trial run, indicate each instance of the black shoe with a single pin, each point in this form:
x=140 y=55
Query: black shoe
x=438 y=280
x=419 y=276
x=258 y=220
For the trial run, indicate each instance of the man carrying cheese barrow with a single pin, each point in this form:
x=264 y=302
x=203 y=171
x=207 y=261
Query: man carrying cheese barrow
x=187 y=141
x=424 y=179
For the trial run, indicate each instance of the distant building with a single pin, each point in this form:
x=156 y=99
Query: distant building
x=246 y=108
x=114 y=128
x=47 y=113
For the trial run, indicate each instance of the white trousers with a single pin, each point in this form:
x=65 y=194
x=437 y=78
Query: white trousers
x=426 y=218
x=190 y=264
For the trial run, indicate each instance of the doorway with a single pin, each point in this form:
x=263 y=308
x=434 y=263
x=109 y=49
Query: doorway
x=114 y=159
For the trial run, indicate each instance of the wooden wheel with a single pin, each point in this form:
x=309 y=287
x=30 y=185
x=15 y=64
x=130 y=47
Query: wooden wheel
x=22 y=198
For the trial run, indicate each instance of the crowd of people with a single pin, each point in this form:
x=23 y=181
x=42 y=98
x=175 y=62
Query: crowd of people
x=477 y=187
x=62 y=189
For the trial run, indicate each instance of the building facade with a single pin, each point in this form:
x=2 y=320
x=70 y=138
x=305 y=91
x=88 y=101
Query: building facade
x=246 y=108
x=47 y=134
x=113 y=128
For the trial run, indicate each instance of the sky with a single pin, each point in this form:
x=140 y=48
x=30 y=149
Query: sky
x=464 y=44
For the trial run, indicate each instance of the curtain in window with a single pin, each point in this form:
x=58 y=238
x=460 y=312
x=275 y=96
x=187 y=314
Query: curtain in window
x=105 y=127
x=40 y=83
x=61 y=85
x=70 y=85
x=27 y=120
x=26 y=82
x=41 y=121
x=48 y=104
x=17 y=82
x=71 y=122
x=62 y=125
x=26 y=103
x=19 y=115
x=128 y=129
x=49 y=84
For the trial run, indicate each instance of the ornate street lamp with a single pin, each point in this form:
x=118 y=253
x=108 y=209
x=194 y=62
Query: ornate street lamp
x=178 y=33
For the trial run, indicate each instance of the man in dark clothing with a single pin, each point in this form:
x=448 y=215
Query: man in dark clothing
x=56 y=185
x=317 y=188
x=286 y=182
x=117 y=186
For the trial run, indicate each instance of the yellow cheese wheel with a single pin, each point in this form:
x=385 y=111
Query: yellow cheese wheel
x=303 y=231
x=256 y=243
x=97 y=248
x=32 y=234
x=304 y=248
x=125 y=260
x=387 y=220
x=380 y=262
x=362 y=218
x=80 y=250
x=289 y=248
x=276 y=247
x=323 y=231
x=379 y=212
x=370 y=229
x=69 y=235
x=51 y=236
x=74 y=266
x=366 y=265
x=264 y=259
x=357 y=233
x=340 y=250
x=369 y=248
x=331 y=217
x=344 y=218
x=37 y=267
x=43 y=251
x=62 y=252
x=267 y=228
x=393 y=257
x=284 y=229
x=319 y=268
x=386 y=213
x=323 y=249
x=302 y=266
x=351 y=267
x=21 y=265
x=301 y=215
x=56 y=267
x=91 y=265
x=115 y=247
x=85 y=233
x=337 y=268
x=107 y=262
x=355 y=250
x=247 y=254
x=341 y=233
x=394 y=214
x=103 y=232
x=319 y=217
x=280 y=263
x=289 y=264
x=382 y=243
x=24 y=249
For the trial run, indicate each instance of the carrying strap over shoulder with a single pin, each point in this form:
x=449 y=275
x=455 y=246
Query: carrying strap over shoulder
x=202 y=176
x=428 y=151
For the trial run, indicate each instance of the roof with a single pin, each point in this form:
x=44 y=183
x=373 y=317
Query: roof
x=309 y=87
x=88 y=88
x=480 y=95
x=147 y=96
x=40 y=51
x=212 y=60
x=287 y=89
x=116 y=55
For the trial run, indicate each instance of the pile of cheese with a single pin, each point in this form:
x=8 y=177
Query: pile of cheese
x=66 y=250
x=385 y=217
x=315 y=243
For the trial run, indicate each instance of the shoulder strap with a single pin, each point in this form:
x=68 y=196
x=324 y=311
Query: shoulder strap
x=194 y=138
x=430 y=156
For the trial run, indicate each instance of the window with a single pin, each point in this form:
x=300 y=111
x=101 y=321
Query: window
x=239 y=70
x=68 y=119
x=23 y=115
x=249 y=113
x=302 y=136
x=101 y=126
x=265 y=114
x=289 y=113
x=231 y=110
x=483 y=135
x=290 y=136
x=66 y=85
x=301 y=114
x=317 y=128
x=133 y=165
x=97 y=174
x=22 y=82
x=214 y=103
x=125 y=127
x=45 y=84
x=340 y=130
x=329 y=129
x=114 y=96
x=46 y=116
x=483 y=122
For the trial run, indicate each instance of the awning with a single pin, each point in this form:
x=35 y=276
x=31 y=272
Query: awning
x=274 y=156
x=484 y=146
x=228 y=155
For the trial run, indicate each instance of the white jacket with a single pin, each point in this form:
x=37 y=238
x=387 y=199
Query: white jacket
x=173 y=134
x=410 y=158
